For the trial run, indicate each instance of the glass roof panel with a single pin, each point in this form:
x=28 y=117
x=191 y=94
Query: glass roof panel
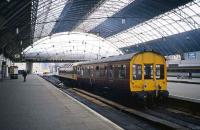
x=71 y=46
x=101 y=13
x=48 y=11
x=181 y=19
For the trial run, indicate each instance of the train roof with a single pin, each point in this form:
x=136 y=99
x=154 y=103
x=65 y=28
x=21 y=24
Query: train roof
x=114 y=58
x=109 y=59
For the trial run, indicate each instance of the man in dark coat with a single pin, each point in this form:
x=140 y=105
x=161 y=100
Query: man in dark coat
x=24 y=75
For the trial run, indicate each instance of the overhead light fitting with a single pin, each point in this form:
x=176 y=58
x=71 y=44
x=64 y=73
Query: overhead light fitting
x=21 y=42
x=123 y=21
x=17 y=30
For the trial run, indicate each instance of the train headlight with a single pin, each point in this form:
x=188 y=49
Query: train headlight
x=145 y=85
x=159 y=87
x=163 y=82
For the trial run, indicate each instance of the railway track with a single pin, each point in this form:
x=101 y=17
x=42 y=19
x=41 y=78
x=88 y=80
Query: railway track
x=156 y=117
x=164 y=118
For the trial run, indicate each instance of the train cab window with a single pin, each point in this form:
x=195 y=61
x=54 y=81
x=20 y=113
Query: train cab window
x=111 y=72
x=137 y=72
x=148 y=71
x=122 y=71
x=160 y=72
x=97 y=71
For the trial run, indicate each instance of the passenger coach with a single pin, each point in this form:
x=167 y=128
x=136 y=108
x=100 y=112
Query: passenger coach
x=141 y=74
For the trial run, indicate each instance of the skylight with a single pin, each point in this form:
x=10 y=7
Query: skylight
x=101 y=13
x=71 y=46
x=48 y=12
x=182 y=19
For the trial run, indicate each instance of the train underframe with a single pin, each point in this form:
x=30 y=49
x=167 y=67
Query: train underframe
x=142 y=97
x=151 y=97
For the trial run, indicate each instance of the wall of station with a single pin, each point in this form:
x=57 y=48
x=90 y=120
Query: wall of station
x=21 y=66
x=4 y=64
x=189 y=59
x=192 y=55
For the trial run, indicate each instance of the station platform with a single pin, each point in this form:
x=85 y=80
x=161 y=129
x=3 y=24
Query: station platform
x=38 y=105
x=190 y=81
x=184 y=91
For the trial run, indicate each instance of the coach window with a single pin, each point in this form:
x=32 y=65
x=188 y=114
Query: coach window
x=111 y=72
x=78 y=71
x=86 y=71
x=137 y=72
x=102 y=72
x=97 y=71
x=105 y=68
x=75 y=69
x=160 y=72
x=81 y=69
x=83 y=73
x=91 y=71
x=148 y=71
x=122 y=71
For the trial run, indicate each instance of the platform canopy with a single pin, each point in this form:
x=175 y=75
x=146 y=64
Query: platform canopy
x=166 y=26
x=70 y=46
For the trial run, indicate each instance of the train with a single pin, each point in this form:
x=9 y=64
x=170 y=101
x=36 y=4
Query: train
x=143 y=75
x=13 y=72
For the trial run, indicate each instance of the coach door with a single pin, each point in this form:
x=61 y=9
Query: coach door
x=110 y=75
x=160 y=76
x=148 y=76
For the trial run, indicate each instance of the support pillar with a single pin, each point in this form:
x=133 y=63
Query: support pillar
x=29 y=67
x=182 y=56
x=4 y=64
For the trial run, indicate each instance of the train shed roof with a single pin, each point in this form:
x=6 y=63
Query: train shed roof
x=169 y=27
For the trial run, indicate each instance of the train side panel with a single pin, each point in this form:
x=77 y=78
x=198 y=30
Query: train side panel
x=105 y=75
x=120 y=78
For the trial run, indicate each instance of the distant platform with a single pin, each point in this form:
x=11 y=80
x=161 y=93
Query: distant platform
x=190 y=92
x=190 y=81
x=38 y=105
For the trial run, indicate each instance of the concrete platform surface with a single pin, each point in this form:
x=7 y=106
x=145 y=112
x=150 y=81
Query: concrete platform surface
x=38 y=105
x=193 y=80
x=187 y=91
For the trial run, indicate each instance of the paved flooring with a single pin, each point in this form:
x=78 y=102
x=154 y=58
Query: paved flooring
x=188 y=91
x=197 y=80
x=37 y=105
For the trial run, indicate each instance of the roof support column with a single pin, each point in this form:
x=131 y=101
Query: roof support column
x=182 y=56
x=29 y=67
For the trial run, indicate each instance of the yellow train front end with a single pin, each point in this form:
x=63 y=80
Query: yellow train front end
x=148 y=76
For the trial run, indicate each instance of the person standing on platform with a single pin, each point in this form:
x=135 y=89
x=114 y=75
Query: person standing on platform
x=190 y=75
x=24 y=75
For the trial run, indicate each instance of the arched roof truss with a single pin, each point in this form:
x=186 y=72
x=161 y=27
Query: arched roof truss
x=182 y=19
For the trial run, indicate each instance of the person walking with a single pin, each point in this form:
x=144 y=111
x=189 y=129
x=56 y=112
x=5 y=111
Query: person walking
x=190 y=75
x=24 y=75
